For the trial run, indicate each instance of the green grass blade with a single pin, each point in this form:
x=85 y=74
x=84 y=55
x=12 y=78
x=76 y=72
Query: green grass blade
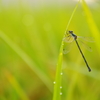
x=16 y=86
x=57 y=90
x=92 y=25
x=27 y=60
x=72 y=15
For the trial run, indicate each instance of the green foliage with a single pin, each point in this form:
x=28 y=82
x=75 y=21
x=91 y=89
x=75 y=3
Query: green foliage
x=91 y=23
x=30 y=38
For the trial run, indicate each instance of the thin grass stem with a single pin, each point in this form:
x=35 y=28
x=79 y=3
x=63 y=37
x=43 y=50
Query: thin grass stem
x=57 y=90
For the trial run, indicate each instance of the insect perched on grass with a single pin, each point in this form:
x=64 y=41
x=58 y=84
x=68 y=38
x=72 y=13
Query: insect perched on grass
x=69 y=38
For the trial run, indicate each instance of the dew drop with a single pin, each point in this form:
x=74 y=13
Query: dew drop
x=61 y=73
x=60 y=93
x=54 y=82
x=60 y=87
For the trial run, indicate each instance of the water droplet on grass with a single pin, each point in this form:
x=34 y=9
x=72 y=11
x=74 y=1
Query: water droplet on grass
x=61 y=73
x=60 y=93
x=54 y=82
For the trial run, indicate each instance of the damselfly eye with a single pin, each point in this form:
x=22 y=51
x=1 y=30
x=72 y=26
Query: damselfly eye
x=70 y=31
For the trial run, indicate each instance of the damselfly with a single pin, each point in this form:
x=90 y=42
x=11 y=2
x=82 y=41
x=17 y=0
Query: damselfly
x=69 y=38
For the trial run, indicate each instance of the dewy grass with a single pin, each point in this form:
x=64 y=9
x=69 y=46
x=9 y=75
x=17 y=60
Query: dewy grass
x=57 y=83
x=91 y=24
x=27 y=60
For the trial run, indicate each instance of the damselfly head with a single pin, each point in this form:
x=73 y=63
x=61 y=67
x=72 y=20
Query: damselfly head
x=70 y=31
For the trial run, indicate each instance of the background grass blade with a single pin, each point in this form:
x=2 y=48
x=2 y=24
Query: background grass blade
x=16 y=86
x=92 y=25
x=57 y=90
x=27 y=60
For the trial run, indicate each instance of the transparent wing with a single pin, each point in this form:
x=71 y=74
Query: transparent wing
x=87 y=39
x=85 y=46
x=67 y=47
x=68 y=41
x=68 y=37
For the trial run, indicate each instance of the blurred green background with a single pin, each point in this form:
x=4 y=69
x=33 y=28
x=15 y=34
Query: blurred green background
x=30 y=37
